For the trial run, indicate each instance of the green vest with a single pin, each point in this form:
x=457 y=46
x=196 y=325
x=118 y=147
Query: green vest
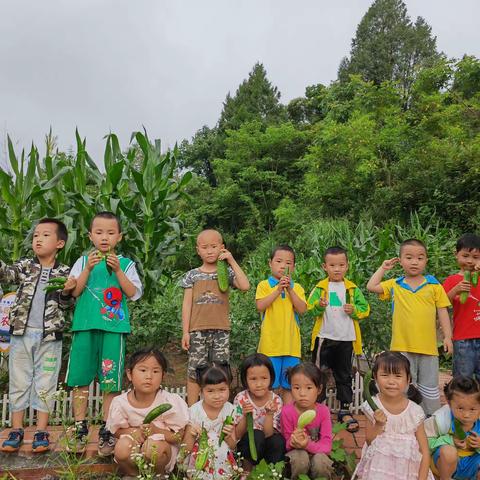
x=102 y=304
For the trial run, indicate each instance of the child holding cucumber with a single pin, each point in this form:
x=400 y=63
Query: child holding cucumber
x=205 y=309
x=210 y=435
x=463 y=291
x=306 y=424
x=37 y=320
x=129 y=413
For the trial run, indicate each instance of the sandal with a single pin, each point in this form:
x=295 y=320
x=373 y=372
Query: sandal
x=352 y=424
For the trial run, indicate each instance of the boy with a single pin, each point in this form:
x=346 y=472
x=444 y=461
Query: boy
x=336 y=333
x=100 y=324
x=279 y=301
x=466 y=316
x=36 y=320
x=205 y=310
x=416 y=302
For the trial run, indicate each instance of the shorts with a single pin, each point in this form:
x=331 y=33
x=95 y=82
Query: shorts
x=207 y=346
x=281 y=365
x=34 y=366
x=96 y=353
x=467 y=467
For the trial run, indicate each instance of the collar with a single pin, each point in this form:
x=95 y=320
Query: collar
x=37 y=261
x=429 y=280
x=323 y=284
x=273 y=282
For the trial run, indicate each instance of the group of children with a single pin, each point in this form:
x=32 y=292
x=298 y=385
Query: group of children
x=278 y=387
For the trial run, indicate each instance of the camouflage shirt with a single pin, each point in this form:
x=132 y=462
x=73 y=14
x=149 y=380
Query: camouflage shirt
x=26 y=273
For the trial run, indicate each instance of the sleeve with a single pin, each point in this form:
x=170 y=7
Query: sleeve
x=361 y=308
x=11 y=273
x=277 y=414
x=387 y=286
x=324 y=442
x=367 y=411
x=132 y=274
x=450 y=282
x=314 y=298
x=187 y=280
x=263 y=290
x=77 y=268
x=117 y=418
x=441 y=298
x=288 y=423
x=65 y=301
x=298 y=289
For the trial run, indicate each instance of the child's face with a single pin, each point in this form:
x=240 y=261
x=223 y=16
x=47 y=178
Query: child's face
x=413 y=259
x=45 y=241
x=336 y=266
x=467 y=259
x=465 y=407
x=209 y=246
x=280 y=261
x=146 y=376
x=258 y=380
x=392 y=384
x=215 y=396
x=105 y=234
x=304 y=391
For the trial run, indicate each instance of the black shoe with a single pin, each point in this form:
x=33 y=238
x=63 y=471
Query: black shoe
x=106 y=442
x=77 y=437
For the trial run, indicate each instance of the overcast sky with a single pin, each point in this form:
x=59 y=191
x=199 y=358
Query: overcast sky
x=167 y=64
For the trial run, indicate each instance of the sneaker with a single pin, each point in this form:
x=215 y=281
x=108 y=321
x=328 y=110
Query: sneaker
x=41 y=442
x=77 y=437
x=14 y=441
x=106 y=442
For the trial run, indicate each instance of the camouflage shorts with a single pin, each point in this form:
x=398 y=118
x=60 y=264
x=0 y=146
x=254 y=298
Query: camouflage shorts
x=207 y=346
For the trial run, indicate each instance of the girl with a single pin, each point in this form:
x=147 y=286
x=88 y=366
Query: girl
x=397 y=446
x=210 y=413
x=159 y=440
x=453 y=457
x=257 y=376
x=308 y=447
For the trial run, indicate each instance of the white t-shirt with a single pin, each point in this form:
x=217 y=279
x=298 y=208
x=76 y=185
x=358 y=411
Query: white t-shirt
x=337 y=325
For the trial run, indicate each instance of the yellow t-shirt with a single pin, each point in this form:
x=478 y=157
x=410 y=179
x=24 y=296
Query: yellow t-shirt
x=414 y=314
x=280 y=330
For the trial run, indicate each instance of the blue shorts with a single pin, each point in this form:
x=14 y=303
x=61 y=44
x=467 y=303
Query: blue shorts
x=280 y=365
x=467 y=467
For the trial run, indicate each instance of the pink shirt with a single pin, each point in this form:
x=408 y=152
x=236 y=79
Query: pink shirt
x=319 y=431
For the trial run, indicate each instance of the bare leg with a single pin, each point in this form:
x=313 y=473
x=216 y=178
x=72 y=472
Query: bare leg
x=447 y=462
x=122 y=453
x=80 y=403
x=42 y=420
x=158 y=451
x=17 y=419
x=193 y=392
x=107 y=401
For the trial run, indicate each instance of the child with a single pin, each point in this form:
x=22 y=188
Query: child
x=416 y=302
x=205 y=310
x=279 y=301
x=211 y=413
x=257 y=375
x=452 y=457
x=159 y=440
x=100 y=324
x=397 y=446
x=308 y=447
x=336 y=332
x=37 y=320
x=466 y=316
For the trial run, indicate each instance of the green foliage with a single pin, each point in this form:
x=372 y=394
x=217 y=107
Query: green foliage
x=267 y=471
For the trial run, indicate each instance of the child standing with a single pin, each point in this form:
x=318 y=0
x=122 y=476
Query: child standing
x=307 y=448
x=257 y=376
x=159 y=440
x=37 y=320
x=466 y=316
x=101 y=322
x=336 y=333
x=205 y=310
x=452 y=457
x=214 y=413
x=280 y=301
x=397 y=446
x=416 y=299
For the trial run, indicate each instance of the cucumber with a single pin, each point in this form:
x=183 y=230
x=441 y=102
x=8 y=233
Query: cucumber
x=222 y=275
x=474 y=279
x=251 y=437
x=155 y=412
x=467 y=276
x=459 y=433
x=367 y=396
x=305 y=418
x=202 y=455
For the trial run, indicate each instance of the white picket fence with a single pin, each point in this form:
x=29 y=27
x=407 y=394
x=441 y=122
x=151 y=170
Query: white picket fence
x=63 y=406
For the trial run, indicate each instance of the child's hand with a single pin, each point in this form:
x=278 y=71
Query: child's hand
x=186 y=341
x=70 y=284
x=473 y=440
x=247 y=407
x=323 y=302
x=348 y=308
x=462 y=444
x=225 y=255
x=285 y=282
x=228 y=430
x=138 y=434
x=447 y=345
x=270 y=407
x=462 y=286
x=195 y=430
x=380 y=417
x=113 y=261
x=299 y=439
x=389 y=264
x=93 y=259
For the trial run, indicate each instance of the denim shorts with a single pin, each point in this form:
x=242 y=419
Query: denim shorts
x=466 y=357
x=33 y=366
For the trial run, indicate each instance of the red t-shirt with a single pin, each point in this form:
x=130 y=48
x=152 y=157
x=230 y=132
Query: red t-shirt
x=466 y=317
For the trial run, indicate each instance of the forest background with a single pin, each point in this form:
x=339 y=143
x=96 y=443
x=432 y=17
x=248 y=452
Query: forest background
x=388 y=151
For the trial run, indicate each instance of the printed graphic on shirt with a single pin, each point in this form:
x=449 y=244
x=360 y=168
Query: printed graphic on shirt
x=208 y=297
x=113 y=304
x=334 y=300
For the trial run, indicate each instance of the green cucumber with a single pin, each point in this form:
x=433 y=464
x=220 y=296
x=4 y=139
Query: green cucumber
x=474 y=279
x=228 y=421
x=202 y=455
x=251 y=437
x=155 y=412
x=467 y=277
x=367 y=396
x=222 y=275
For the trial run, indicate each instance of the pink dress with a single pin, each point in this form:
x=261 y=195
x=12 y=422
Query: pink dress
x=394 y=454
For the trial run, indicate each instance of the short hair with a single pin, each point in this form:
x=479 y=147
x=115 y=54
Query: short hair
x=461 y=384
x=143 y=354
x=311 y=371
x=256 y=360
x=412 y=241
x=337 y=250
x=214 y=374
x=62 y=233
x=468 y=241
x=286 y=248
x=210 y=230
x=108 y=215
